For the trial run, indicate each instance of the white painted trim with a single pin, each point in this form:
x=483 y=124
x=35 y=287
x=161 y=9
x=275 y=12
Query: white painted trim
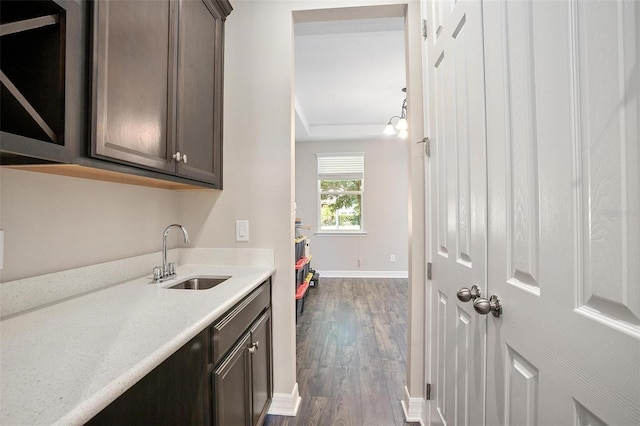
x=301 y=115
x=341 y=233
x=284 y=404
x=412 y=411
x=364 y=274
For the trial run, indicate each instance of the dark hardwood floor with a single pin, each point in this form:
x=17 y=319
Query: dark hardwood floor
x=351 y=354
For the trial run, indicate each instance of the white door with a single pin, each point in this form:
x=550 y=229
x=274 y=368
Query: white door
x=563 y=119
x=458 y=206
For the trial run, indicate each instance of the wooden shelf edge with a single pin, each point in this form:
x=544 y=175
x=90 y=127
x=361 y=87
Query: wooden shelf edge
x=74 y=170
x=28 y=24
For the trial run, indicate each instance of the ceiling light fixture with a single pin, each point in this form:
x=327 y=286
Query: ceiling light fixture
x=402 y=124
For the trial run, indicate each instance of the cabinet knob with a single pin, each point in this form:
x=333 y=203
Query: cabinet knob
x=180 y=157
x=254 y=347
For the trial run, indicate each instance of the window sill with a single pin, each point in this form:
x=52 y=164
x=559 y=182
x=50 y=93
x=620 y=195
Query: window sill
x=341 y=233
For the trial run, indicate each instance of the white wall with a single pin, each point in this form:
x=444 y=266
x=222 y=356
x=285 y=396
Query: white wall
x=385 y=208
x=53 y=223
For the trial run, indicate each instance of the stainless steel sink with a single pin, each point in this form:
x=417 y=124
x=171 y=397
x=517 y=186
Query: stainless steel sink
x=199 y=283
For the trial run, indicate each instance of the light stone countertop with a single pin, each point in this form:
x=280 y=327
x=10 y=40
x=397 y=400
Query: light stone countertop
x=63 y=363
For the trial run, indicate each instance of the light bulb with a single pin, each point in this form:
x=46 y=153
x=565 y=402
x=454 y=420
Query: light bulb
x=402 y=124
x=388 y=130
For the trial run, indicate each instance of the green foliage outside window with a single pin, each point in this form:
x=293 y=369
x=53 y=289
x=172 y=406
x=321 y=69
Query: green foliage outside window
x=341 y=202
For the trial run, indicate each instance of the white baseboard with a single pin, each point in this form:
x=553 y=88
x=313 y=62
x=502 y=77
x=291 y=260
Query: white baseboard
x=413 y=408
x=284 y=404
x=364 y=274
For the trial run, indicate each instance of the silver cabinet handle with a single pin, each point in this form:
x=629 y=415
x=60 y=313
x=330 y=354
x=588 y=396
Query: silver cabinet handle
x=464 y=294
x=254 y=347
x=484 y=306
x=180 y=157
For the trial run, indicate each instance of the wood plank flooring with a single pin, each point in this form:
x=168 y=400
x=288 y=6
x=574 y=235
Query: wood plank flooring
x=351 y=354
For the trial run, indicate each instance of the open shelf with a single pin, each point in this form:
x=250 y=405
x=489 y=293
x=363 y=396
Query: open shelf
x=32 y=69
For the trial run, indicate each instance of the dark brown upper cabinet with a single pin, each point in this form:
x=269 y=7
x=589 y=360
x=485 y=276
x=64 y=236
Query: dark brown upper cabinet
x=133 y=78
x=41 y=60
x=157 y=86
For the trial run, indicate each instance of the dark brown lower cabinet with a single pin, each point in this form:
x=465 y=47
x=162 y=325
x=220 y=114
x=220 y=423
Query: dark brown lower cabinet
x=230 y=383
x=223 y=376
x=261 y=389
x=242 y=381
x=174 y=393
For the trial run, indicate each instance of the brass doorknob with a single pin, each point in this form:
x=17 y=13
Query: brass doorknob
x=464 y=294
x=484 y=306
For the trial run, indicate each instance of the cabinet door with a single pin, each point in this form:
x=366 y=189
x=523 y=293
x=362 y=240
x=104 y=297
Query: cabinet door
x=42 y=81
x=174 y=393
x=199 y=126
x=133 y=74
x=261 y=368
x=231 y=387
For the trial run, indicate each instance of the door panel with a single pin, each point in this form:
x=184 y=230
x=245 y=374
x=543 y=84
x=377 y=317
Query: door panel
x=458 y=201
x=440 y=386
x=261 y=388
x=609 y=126
x=231 y=387
x=521 y=390
x=133 y=71
x=563 y=201
x=199 y=126
x=522 y=151
x=464 y=366
x=440 y=72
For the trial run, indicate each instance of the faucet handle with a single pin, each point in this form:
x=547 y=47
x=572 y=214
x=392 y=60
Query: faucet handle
x=172 y=268
x=157 y=274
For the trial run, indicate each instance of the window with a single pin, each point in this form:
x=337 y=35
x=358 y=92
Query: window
x=340 y=192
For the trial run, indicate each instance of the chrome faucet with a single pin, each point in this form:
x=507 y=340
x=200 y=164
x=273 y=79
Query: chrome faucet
x=167 y=270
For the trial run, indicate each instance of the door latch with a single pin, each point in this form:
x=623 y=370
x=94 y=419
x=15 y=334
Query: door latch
x=427 y=146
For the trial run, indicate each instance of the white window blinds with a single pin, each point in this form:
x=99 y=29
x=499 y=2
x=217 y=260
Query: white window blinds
x=344 y=165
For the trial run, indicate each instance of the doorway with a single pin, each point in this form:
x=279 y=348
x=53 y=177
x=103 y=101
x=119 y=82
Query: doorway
x=349 y=80
x=360 y=55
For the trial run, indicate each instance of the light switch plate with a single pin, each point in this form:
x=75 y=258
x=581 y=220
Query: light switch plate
x=242 y=230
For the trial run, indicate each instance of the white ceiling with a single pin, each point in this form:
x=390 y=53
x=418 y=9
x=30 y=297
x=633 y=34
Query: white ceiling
x=349 y=77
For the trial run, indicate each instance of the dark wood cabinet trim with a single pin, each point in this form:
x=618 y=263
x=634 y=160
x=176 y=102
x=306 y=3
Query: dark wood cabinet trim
x=238 y=320
x=261 y=365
